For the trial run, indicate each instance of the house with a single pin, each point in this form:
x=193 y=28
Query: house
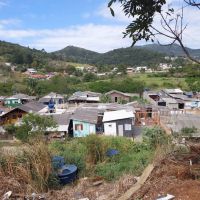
x=119 y=123
x=117 y=96
x=171 y=103
x=142 y=68
x=173 y=91
x=12 y=102
x=17 y=100
x=84 y=122
x=31 y=71
x=57 y=99
x=165 y=66
x=15 y=115
x=130 y=70
x=62 y=126
x=85 y=97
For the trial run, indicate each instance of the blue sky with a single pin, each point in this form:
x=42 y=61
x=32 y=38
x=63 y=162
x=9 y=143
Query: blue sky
x=55 y=24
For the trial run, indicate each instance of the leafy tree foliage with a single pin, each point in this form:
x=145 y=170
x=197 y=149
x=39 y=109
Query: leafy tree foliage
x=143 y=13
x=34 y=127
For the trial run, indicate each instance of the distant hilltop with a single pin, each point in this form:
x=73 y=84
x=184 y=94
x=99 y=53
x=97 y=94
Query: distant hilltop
x=138 y=55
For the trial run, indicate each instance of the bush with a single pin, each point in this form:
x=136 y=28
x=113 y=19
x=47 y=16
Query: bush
x=155 y=137
x=187 y=131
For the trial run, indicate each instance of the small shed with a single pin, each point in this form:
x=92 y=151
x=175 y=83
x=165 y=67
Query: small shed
x=119 y=123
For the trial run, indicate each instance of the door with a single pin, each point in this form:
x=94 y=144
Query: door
x=121 y=130
x=110 y=129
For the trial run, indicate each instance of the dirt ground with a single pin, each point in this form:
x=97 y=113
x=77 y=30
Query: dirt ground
x=176 y=176
x=89 y=188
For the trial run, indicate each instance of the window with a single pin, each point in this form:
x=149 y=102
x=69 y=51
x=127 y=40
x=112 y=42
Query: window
x=128 y=127
x=78 y=127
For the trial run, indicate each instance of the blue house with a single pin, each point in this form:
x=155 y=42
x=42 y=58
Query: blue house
x=84 y=122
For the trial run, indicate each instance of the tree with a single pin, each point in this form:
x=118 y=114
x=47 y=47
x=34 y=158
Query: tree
x=144 y=12
x=89 y=77
x=34 y=127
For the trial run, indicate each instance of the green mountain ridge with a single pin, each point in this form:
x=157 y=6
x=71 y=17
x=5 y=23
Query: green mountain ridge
x=171 y=50
x=122 y=56
x=18 y=54
x=138 y=55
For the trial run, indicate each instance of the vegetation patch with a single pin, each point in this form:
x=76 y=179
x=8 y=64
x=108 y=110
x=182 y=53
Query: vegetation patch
x=89 y=154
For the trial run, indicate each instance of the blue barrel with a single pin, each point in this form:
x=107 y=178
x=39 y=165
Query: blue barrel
x=112 y=152
x=58 y=162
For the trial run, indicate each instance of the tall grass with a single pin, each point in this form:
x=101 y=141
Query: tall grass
x=30 y=167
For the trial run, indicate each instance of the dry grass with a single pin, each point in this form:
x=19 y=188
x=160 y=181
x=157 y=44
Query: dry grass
x=25 y=172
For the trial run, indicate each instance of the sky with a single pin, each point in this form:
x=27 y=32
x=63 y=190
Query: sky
x=55 y=24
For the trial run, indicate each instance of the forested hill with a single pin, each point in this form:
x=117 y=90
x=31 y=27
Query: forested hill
x=125 y=56
x=171 y=50
x=19 y=54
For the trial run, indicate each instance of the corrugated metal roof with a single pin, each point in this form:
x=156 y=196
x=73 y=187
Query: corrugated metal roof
x=33 y=106
x=62 y=119
x=86 y=115
x=117 y=115
x=122 y=93
x=169 y=100
x=85 y=96
x=22 y=96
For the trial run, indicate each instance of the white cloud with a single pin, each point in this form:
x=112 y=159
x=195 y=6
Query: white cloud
x=95 y=37
x=99 y=38
x=9 y=22
x=3 y=3
x=104 y=11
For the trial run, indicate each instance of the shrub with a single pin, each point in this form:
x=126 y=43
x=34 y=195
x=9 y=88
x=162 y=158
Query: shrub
x=187 y=131
x=155 y=136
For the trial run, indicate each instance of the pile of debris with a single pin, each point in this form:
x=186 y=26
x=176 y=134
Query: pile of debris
x=94 y=189
x=176 y=175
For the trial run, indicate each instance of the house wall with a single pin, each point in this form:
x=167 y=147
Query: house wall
x=110 y=128
x=12 y=117
x=12 y=102
x=119 y=97
x=87 y=129
x=113 y=128
x=172 y=105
